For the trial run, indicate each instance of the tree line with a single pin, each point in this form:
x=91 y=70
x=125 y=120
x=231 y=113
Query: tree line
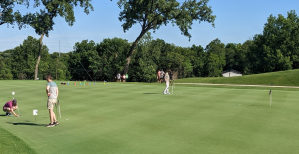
x=276 y=49
x=150 y=14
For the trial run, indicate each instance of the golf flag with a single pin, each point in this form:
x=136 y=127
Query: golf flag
x=270 y=92
x=35 y=112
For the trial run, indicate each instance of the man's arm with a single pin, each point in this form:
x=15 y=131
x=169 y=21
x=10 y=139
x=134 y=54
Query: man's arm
x=57 y=92
x=47 y=89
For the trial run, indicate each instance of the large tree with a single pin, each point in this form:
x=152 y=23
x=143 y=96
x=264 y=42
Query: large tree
x=198 y=61
x=112 y=54
x=43 y=21
x=24 y=56
x=84 y=61
x=145 y=60
x=7 y=13
x=152 y=14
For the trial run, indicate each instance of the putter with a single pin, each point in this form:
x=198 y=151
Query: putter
x=172 y=86
x=13 y=97
x=56 y=108
x=59 y=109
x=19 y=112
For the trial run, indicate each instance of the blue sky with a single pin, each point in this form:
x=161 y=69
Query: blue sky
x=236 y=22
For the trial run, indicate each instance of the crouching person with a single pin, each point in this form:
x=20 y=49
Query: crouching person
x=9 y=107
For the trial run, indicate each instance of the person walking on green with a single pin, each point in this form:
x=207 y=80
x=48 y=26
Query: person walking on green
x=52 y=92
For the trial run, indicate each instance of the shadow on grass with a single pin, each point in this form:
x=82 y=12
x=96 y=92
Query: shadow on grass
x=150 y=93
x=2 y=115
x=24 y=123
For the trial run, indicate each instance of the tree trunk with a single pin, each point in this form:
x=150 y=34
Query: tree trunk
x=126 y=67
x=39 y=56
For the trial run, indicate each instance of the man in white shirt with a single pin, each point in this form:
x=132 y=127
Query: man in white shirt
x=166 y=79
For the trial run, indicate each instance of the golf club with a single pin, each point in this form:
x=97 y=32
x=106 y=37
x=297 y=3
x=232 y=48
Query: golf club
x=19 y=111
x=56 y=108
x=172 y=82
x=13 y=97
x=58 y=104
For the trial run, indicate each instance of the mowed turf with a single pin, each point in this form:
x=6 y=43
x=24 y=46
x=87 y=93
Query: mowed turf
x=280 y=78
x=138 y=118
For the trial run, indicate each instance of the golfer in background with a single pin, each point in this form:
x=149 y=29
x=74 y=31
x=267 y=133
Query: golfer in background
x=52 y=92
x=162 y=75
x=118 y=77
x=9 y=107
x=166 y=79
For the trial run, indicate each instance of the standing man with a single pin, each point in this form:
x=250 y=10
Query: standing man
x=124 y=78
x=158 y=76
x=52 y=92
x=166 y=78
x=170 y=75
x=118 y=77
x=161 y=75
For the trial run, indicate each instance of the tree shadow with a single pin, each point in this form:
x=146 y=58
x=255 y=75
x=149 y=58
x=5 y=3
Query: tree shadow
x=150 y=93
x=24 y=123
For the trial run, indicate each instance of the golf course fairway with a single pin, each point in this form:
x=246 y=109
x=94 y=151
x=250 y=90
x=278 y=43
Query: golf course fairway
x=136 y=118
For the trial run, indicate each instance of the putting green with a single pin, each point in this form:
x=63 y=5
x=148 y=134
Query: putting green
x=138 y=118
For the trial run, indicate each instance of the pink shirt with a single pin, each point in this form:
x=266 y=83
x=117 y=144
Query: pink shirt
x=8 y=104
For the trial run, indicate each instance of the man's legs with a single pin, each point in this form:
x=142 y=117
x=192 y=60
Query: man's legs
x=53 y=121
x=166 y=90
x=167 y=87
x=52 y=116
x=7 y=109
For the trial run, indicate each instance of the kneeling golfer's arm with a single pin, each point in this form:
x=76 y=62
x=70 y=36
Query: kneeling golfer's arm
x=14 y=113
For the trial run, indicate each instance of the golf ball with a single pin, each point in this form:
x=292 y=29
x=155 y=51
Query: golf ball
x=67 y=119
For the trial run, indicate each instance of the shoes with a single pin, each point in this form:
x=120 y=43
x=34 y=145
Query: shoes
x=56 y=123
x=8 y=114
x=50 y=125
x=168 y=93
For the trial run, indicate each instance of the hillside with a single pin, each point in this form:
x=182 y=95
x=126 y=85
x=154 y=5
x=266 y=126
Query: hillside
x=281 y=78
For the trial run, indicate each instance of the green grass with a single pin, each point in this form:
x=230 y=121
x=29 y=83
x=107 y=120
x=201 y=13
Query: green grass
x=10 y=144
x=282 y=78
x=138 y=118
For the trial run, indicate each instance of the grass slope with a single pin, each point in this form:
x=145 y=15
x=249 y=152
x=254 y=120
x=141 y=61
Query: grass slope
x=138 y=118
x=281 y=78
x=12 y=144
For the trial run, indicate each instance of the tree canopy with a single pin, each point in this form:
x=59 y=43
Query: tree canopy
x=43 y=21
x=7 y=13
x=152 y=14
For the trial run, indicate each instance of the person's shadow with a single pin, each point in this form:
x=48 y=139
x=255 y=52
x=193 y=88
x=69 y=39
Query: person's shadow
x=26 y=123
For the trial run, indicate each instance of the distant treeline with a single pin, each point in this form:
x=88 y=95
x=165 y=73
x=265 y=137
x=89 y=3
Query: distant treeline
x=276 y=49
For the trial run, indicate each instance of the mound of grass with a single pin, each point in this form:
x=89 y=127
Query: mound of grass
x=281 y=78
x=12 y=144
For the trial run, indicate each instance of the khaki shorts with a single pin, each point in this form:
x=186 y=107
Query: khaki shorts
x=6 y=108
x=51 y=103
